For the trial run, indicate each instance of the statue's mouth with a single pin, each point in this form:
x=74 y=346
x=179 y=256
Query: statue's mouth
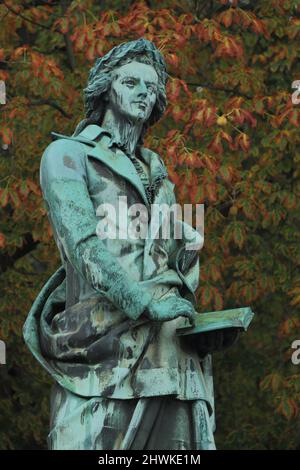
x=141 y=104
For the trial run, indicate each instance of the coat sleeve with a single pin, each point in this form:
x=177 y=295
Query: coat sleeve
x=72 y=215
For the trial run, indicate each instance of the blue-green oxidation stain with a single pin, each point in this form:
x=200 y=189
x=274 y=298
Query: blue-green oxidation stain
x=105 y=324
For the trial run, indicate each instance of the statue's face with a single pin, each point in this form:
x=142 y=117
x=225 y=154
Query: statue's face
x=133 y=91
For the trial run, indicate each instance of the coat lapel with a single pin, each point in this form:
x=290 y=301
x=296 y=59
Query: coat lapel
x=120 y=164
x=117 y=162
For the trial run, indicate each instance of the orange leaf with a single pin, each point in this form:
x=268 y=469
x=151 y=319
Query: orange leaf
x=6 y=135
x=3 y=197
x=218 y=300
x=173 y=89
x=172 y=59
x=294 y=117
x=64 y=26
x=19 y=51
x=173 y=176
x=243 y=141
x=206 y=295
x=226 y=18
x=215 y=145
x=210 y=116
x=249 y=117
x=14 y=197
x=2 y=240
x=211 y=191
x=33 y=187
x=225 y=173
x=177 y=113
x=90 y=53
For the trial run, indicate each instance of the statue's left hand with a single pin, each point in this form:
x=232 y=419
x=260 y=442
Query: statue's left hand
x=170 y=308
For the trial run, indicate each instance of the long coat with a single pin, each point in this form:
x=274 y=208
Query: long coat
x=86 y=326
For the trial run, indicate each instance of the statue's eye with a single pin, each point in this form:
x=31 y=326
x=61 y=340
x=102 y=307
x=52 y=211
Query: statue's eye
x=130 y=82
x=152 y=88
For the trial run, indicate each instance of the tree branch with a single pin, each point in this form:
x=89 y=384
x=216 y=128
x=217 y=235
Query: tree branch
x=70 y=53
x=7 y=261
x=29 y=20
x=52 y=104
x=226 y=90
x=68 y=42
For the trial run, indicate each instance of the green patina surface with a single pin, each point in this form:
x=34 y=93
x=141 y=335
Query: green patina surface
x=104 y=325
x=87 y=325
x=239 y=318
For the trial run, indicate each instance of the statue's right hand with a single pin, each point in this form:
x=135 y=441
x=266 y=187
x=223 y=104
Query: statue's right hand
x=170 y=308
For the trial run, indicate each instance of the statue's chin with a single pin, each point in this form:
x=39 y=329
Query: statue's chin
x=137 y=118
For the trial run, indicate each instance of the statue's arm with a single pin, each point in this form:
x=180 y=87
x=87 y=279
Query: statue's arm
x=72 y=215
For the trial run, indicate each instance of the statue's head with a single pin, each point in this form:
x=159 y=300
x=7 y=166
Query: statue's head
x=106 y=78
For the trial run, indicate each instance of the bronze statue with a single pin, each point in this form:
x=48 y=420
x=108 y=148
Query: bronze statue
x=104 y=325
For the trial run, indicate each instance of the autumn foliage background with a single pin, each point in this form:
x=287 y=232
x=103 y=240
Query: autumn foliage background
x=230 y=139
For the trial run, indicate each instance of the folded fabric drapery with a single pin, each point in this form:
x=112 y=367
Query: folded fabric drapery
x=159 y=423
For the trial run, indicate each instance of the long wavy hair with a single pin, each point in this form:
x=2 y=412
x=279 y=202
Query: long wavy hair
x=102 y=73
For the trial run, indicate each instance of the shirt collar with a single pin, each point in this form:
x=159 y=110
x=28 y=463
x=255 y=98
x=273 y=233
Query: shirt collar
x=115 y=142
x=156 y=164
x=95 y=132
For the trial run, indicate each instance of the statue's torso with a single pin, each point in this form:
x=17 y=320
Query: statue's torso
x=95 y=348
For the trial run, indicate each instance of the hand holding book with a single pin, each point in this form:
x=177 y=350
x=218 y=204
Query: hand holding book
x=215 y=331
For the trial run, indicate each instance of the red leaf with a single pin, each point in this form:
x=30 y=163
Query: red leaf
x=6 y=135
x=258 y=26
x=172 y=59
x=33 y=187
x=63 y=25
x=199 y=116
x=243 y=141
x=294 y=117
x=185 y=87
x=238 y=235
x=215 y=145
x=99 y=48
x=173 y=89
x=226 y=18
x=19 y=51
x=218 y=300
x=90 y=53
x=225 y=173
x=226 y=137
x=210 y=116
x=173 y=176
x=23 y=189
x=206 y=295
x=229 y=47
x=238 y=116
x=288 y=408
x=249 y=117
x=209 y=162
x=3 y=197
x=211 y=190
x=79 y=42
x=2 y=240
x=177 y=113
x=14 y=198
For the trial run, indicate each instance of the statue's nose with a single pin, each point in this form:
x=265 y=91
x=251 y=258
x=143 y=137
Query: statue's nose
x=142 y=89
